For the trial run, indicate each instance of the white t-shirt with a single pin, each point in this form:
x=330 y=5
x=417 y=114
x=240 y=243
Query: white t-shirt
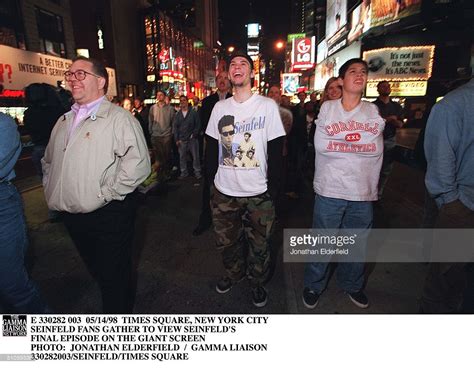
x=258 y=116
x=349 y=151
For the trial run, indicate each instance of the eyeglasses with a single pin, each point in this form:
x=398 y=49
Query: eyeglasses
x=230 y=132
x=80 y=75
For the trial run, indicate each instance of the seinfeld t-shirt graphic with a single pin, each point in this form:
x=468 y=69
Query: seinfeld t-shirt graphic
x=349 y=151
x=243 y=130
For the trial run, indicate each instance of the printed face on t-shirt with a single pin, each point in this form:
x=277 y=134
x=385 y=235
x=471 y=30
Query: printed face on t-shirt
x=237 y=146
x=227 y=134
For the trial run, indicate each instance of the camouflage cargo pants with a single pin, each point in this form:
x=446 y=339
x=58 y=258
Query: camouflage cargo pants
x=243 y=226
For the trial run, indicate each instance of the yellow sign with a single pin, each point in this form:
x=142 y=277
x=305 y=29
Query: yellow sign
x=402 y=89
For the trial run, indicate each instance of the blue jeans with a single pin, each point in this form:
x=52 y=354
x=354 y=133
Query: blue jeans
x=191 y=146
x=36 y=156
x=17 y=291
x=333 y=213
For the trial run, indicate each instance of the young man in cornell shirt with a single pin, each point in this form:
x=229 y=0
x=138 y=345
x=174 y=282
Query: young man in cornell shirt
x=349 y=150
x=244 y=192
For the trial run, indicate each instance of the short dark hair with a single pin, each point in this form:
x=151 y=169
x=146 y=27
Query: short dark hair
x=240 y=53
x=382 y=82
x=348 y=63
x=225 y=121
x=98 y=67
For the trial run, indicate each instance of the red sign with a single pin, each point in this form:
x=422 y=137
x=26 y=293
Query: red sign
x=171 y=73
x=353 y=137
x=179 y=62
x=164 y=55
x=12 y=94
x=302 y=54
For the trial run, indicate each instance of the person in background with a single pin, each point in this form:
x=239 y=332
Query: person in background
x=44 y=109
x=223 y=92
x=127 y=104
x=196 y=102
x=313 y=99
x=308 y=170
x=285 y=113
x=332 y=90
x=287 y=120
x=141 y=114
x=186 y=126
x=449 y=150
x=297 y=148
x=94 y=161
x=18 y=294
x=392 y=112
x=286 y=103
x=159 y=125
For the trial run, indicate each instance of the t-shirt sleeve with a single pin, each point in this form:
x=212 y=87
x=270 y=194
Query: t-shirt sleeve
x=375 y=117
x=322 y=114
x=275 y=128
x=211 y=129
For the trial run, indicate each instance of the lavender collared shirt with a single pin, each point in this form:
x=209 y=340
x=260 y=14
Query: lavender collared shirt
x=81 y=112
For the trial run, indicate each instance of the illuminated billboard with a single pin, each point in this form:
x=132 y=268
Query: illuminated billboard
x=385 y=11
x=336 y=16
x=253 y=49
x=359 y=19
x=401 y=88
x=330 y=66
x=322 y=52
x=20 y=68
x=400 y=63
x=292 y=36
x=290 y=82
x=253 y=30
x=303 y=53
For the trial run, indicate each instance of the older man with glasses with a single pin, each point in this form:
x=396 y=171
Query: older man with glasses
x=94 y=161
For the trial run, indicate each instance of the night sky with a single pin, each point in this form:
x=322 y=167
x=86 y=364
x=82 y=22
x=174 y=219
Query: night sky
x=273 y=15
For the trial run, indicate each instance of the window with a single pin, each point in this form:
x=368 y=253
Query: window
x=51 y=32
x=11 y=25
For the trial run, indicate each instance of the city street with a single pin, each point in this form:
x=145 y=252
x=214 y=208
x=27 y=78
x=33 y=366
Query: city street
x=295 y=112
x=176 y=272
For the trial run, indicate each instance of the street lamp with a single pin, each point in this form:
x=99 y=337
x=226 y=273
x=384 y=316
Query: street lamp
x=279 y=45
x=231 y=49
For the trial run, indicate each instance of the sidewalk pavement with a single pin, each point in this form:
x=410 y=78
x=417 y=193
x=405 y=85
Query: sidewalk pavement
x=176 y=272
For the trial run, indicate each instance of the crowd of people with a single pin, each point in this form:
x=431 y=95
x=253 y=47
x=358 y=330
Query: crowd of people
x=247 y=151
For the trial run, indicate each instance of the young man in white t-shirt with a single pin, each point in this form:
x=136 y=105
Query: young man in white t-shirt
x=242 y=197
x=349 y=151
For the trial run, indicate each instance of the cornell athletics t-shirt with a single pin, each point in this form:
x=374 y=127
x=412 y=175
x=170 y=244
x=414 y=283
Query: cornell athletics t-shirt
x=349 y=151
x=242 y=131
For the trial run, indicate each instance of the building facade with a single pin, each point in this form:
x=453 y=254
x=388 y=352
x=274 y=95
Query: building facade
x=177 y=61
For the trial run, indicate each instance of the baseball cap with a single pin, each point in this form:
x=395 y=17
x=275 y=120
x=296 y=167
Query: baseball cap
x=241 y=54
